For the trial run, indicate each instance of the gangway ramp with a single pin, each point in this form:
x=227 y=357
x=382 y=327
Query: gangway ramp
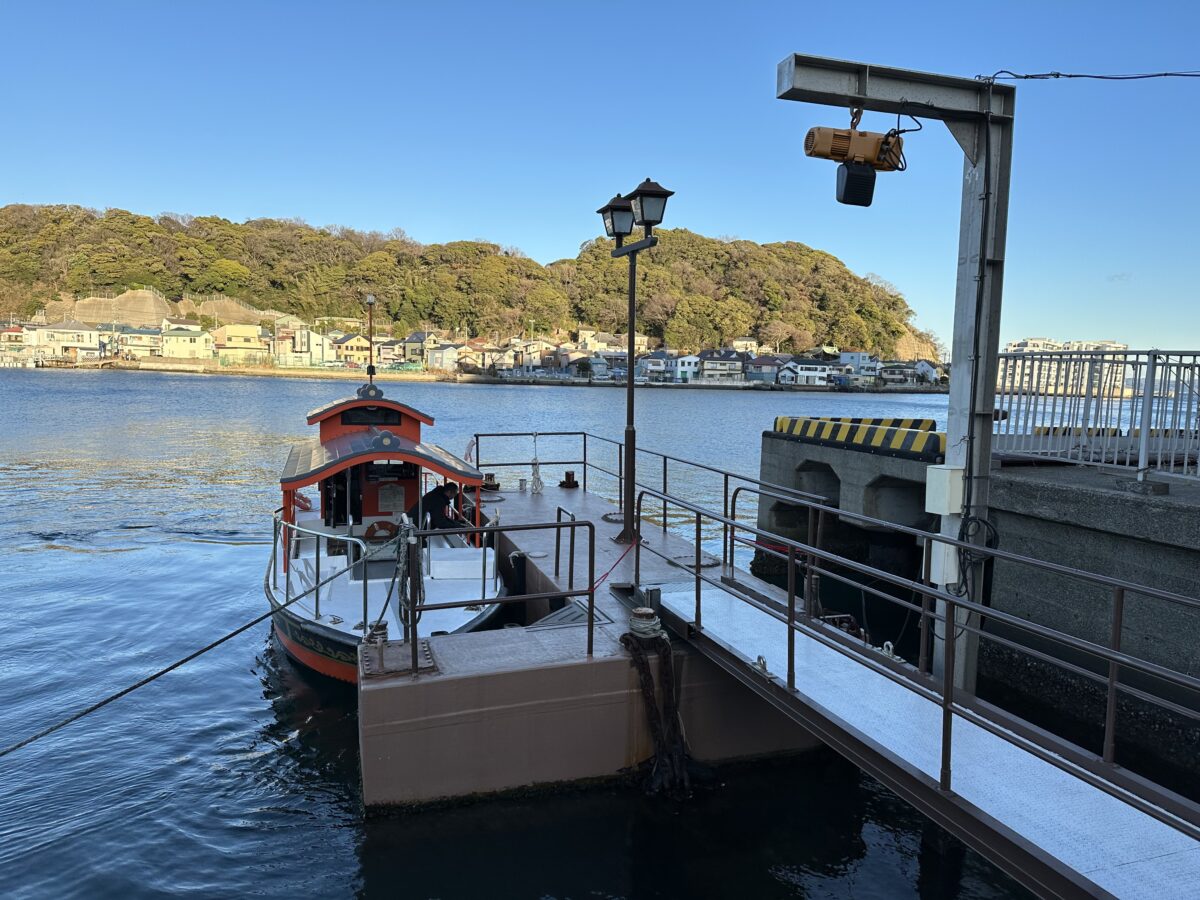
x=1045 y=825
x=1063 y=820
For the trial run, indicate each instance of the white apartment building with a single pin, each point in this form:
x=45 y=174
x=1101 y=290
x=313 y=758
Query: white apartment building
x=805 y=371
x=682 y=369
x=864 y=364
x=302 y=347
x=1046 y=345
x=1063 y=375
x=68 y=339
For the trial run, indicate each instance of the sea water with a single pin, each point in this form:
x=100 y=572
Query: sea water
x=136 y=528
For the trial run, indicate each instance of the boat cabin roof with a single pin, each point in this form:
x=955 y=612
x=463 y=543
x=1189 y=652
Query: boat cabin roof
x=321 y=413
x=313 y=460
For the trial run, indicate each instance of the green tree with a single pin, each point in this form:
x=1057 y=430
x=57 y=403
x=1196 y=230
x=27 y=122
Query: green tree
x=225 y=276
x=692 y=289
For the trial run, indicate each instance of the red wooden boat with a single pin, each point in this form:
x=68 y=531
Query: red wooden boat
x=339 y=559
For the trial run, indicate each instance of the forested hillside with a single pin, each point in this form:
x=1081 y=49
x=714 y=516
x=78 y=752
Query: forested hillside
x=694 y=291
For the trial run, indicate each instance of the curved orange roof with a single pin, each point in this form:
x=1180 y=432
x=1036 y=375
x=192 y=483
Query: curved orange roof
x=311 y=461
x=321 y=413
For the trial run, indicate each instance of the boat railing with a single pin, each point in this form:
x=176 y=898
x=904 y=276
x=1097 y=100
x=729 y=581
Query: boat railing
x=943 y=613
x=288 y=533
x=493 y=534
x=589 y=445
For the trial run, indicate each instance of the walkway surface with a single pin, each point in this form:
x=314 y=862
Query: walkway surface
x=1120 y=849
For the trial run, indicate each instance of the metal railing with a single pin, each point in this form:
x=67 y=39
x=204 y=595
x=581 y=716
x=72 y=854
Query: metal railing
x=415 y=606
x=290 y=533
x=661 y=466
x=286 y=534
x=934 y=606
x=1132 y=409
x=559 y=513
x=813 y=562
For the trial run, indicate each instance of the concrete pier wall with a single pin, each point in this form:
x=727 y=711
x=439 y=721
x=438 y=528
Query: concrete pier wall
x=884 y=487
x=515 y=707
x=1082 y=518
x=543 y=725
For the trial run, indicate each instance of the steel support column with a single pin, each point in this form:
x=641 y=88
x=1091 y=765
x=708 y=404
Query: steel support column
x=979 y=115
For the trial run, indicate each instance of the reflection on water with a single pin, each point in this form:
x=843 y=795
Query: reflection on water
x=238 y=774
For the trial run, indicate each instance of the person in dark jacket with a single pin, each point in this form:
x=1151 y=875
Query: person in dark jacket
x=438 y=504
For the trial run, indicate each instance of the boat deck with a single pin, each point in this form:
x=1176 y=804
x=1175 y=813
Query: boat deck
x=341 y=601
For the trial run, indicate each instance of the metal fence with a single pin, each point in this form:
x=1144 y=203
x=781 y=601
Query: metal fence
x=1135 y=409
x=942 y=612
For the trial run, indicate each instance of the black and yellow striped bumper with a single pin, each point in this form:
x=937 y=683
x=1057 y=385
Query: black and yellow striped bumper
x=907 y=438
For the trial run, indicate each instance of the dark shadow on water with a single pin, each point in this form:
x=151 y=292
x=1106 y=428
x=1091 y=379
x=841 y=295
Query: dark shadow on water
x=805 y=826
x=314 y=730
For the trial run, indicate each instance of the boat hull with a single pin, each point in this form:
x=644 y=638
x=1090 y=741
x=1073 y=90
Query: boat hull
x=317 y=648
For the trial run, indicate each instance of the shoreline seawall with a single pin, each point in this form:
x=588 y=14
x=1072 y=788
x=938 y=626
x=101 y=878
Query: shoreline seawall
x=184 y=367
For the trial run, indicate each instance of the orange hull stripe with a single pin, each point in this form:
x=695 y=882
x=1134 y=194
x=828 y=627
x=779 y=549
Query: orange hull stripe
x=315 y=661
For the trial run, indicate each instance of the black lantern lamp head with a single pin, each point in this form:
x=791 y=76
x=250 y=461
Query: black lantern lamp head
x=649 y=202
x=618 y=217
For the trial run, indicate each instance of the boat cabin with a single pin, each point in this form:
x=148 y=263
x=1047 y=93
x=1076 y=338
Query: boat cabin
x=369 y=466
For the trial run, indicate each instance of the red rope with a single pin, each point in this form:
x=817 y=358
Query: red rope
x=600 y=580
x=769 y=545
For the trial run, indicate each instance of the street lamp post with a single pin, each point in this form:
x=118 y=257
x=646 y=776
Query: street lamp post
x=644 y=207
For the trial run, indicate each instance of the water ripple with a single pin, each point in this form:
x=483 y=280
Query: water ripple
x=238 y=774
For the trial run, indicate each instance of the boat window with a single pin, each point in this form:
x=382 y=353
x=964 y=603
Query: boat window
x=371 y=415
x=393 y=471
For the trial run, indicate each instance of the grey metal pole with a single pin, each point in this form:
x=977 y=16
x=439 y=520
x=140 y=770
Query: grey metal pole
x=979 y=114
x=628 y=532
x=1147 y=415
x=699 y=590
x=664 y=490
x=791 y=617
x=948 y=697
x=1114 y=674
x=976 y=345
x=275 y=557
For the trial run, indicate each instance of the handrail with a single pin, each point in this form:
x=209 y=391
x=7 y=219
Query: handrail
x=318 y=584
x=1007 y=555
x=348 y=538
x=807 y=499
x=949 y=621
x=559 y=512
x=1178 y=678
x=413 y=610
x=1130 y=410
x=619 y=474
x=816 y=520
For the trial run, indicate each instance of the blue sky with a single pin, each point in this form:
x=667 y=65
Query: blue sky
x=513 y=122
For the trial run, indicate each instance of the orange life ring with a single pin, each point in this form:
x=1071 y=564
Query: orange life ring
x=381 y=531
x=301 y=502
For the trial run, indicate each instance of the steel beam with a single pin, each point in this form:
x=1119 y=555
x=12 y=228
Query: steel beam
x=959 y=102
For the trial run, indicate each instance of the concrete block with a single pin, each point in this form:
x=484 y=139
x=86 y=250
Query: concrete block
x=436 y=737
